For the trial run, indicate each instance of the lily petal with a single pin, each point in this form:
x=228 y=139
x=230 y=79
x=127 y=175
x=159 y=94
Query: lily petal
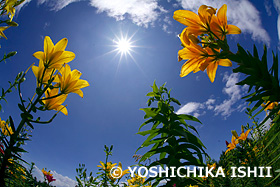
x=211 y=70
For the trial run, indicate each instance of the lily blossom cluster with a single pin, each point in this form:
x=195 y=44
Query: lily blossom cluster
x=55 y=76
x=137 y=181
x=236 y=139
x=48 y=176
x=204 y=40
x=5 y=128
x=8 y=8
x=117 y=174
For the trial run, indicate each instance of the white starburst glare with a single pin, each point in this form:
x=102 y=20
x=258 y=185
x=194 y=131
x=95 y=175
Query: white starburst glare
x=123 y=45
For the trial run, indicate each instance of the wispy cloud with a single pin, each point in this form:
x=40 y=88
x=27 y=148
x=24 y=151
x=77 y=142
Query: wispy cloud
x=61 y=181
x=55 y=4
x=224 y=108
x=267 y=7
x=241 y=13
x=19 y=7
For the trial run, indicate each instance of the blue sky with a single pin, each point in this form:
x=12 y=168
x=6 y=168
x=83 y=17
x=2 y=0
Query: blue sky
x=109 y=112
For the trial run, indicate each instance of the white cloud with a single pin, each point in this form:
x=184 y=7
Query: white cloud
x=166 y=24
x=146 y=12
x=276 y=4
x=234 y=93
x=209 y=104
x=61 y=181
x=224 y=108
x=241 y=13
x=191 y=108
x=141 y=12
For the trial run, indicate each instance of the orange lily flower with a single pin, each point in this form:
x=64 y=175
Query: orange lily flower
x=212 y=63
x=243 y=136
x=219 y=24
x=195 y=55
x=197 y=24
x=232 y=144
x=187 y=37
x=271 y=106
x=200 y=59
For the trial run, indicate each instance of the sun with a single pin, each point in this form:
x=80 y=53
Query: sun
x=124 y=45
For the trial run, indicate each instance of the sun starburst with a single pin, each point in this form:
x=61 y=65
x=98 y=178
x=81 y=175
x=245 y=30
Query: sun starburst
x=123 y=45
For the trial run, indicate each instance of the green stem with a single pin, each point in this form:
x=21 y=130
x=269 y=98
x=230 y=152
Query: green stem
x=52 y=96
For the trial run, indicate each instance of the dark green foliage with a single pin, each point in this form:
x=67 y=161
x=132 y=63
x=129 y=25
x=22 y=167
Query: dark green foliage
x=171 y=138
x=260 y=77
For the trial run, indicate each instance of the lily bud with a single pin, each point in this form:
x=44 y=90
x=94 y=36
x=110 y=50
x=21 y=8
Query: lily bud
x=234 y=133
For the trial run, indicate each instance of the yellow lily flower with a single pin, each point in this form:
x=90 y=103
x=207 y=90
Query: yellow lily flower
x=70 y=81
x=219 y=24
x=232 y=145
x=6 y=130
x=54 y=56
x=109 y=165
x=1 y=31
x=212 y=166
x=9 y=7
x=119 y=173
x=197 y=24
x=137 y=181
x=38 y=72
x=55 y=103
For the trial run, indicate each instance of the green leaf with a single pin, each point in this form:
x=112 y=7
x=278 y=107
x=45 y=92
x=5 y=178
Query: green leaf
x=151 y=94
x=150 y=112
x=12 y=23
x=188 y=117
x=21 y=108
x=155 y=88
x=175 y=101
x=144 y=133
x=12 y=123
x=256 y=52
